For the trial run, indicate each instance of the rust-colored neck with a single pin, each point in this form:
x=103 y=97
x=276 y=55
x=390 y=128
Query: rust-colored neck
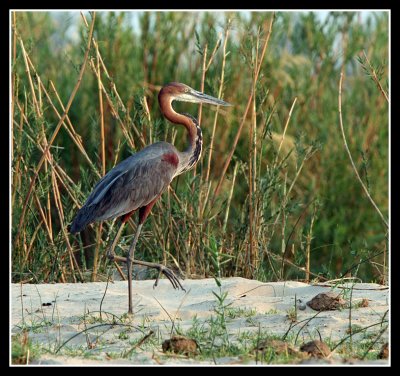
x=165 y=100
x=192 y=154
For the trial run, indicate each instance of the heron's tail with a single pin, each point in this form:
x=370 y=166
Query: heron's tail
x=82 y=219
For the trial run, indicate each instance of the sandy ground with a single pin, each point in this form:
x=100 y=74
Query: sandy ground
x=55 y=313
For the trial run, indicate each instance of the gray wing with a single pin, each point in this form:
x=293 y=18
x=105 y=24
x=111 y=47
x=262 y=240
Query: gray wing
x=131 y=184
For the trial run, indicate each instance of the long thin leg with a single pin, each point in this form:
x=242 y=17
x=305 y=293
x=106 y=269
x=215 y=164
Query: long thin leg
x=129 y=260
x=110 y=251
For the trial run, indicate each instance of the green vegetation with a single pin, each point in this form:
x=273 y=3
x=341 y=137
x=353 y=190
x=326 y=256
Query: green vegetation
x=214 y=338
x=287 y=206
x=104 y=335
x=22 y=350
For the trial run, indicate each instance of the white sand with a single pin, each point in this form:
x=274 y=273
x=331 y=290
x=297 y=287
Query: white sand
x=271 y=302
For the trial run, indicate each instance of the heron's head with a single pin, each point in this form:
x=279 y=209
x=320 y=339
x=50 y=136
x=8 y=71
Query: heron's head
x=184 y=93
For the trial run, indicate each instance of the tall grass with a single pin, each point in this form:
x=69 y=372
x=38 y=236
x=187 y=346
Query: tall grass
x=274 y=194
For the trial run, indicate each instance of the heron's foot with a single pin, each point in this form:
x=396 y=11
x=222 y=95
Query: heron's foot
x=161 y=270
x=169 y=274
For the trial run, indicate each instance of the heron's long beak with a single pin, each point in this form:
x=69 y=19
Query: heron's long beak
x=204 y=98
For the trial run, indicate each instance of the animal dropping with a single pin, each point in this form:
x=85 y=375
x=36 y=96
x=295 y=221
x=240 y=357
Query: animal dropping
x=180 y=345
x=326 y=301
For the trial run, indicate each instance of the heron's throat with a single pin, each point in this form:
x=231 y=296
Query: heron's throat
x=191 y=155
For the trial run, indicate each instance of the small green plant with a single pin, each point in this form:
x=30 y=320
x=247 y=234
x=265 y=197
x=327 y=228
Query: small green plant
x=221 y=310
x=234 y=312
x=22 y=350
x=292 y=314
x=35 y=325
x=123 y=335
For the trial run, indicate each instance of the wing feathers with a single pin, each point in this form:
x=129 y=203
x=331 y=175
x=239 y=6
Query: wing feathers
x=133 y=183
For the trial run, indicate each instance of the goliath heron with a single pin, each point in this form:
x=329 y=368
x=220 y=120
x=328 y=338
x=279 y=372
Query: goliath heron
x=137 y=182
